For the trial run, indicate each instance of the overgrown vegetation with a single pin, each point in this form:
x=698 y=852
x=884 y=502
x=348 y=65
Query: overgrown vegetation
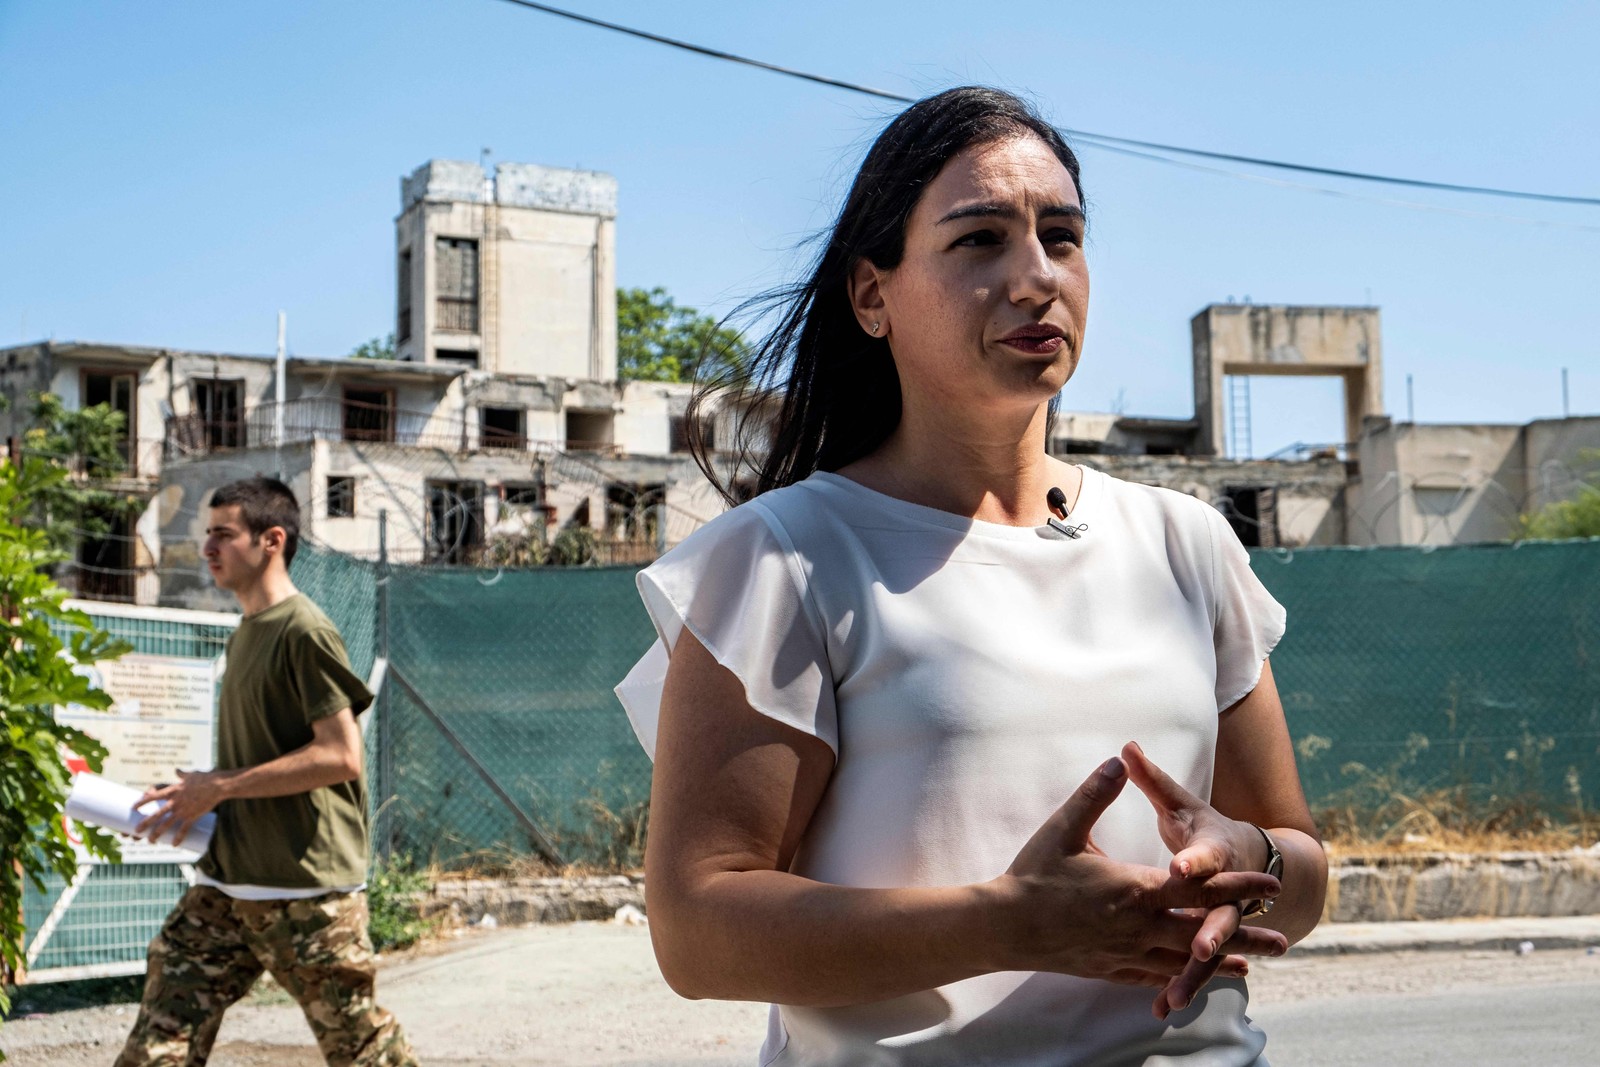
x=608 y=834
x=1576 y=517
x=39 y=671
x=86 y=445
x=392 y=891
x=573 y=546
x=1400 y=807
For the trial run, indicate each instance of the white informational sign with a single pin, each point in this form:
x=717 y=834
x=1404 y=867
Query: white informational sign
x=163 y=717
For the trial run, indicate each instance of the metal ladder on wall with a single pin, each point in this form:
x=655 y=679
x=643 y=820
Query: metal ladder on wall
x=1239 y=446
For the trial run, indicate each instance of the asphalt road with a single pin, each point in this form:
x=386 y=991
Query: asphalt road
x=589 y=995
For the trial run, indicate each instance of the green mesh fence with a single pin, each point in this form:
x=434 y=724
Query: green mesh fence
x=1458 y=681
x=1468 y=676
x=1405 y=674
x=519 y=665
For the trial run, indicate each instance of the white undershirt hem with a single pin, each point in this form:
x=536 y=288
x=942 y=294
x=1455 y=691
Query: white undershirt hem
x=273 y=892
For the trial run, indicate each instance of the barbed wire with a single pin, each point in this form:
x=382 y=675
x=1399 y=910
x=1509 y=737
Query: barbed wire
x=435 y=521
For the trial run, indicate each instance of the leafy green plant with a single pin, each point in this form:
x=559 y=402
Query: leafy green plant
x=573 y=547
x=392 y=891
x=36 y=675
x=377 y=348
x=86 y=445
x=1577 y=517
x=660 y=341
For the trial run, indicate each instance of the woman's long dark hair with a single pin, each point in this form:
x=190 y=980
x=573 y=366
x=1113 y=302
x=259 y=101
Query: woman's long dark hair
x=835 y=387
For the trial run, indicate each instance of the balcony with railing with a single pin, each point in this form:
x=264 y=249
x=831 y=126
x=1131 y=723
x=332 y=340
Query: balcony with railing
x=336 y=419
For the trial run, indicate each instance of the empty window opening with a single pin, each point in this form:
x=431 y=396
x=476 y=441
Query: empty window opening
x=1252 y=511
x=341 y=496
x=503 y=427
x=105 y=569
x=456 y=271
x=525 y=505
x=679 y=427
x=588 y=431
x=368 y=414
x=633 y=510
x=117 y=390
x=465 y=357
x=523 y=496
x=455 y=521
x=218 y=411
x=402 y=330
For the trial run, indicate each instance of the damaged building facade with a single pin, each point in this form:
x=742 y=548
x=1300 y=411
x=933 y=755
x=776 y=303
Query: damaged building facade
x=1388 y=483
x=501 y=424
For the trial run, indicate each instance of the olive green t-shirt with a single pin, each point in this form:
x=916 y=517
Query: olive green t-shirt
x=287 y=668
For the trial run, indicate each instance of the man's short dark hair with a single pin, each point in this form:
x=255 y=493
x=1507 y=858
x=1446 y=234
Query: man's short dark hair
x=264 y=503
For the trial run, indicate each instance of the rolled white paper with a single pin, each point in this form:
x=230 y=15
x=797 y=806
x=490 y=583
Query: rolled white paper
x=102 y=802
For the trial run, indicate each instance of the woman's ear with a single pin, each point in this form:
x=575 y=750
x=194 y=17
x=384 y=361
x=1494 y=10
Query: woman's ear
x=866 y=297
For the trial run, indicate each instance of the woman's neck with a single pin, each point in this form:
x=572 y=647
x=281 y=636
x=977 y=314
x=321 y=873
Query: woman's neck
x=990 y=470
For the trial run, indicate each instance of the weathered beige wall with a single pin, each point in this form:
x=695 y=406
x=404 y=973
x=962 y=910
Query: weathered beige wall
x=1439 y=484
x=552 y=270
x=547 y=266
x=1563 y=456
x=644 y=423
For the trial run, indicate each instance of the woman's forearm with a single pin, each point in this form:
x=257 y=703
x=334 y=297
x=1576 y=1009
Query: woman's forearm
x=773 y=936
x=1298 y=908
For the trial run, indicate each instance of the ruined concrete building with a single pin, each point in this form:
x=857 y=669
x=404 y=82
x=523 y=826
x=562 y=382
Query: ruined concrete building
x=1388 y=483
x=501 y=423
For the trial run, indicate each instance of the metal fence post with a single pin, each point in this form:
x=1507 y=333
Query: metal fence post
x=384 y=827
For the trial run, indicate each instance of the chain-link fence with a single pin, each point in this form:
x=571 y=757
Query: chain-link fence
x=1454 y=684
x=1467 y=676
x=111 y=912
x=1420 y=686
x=518 y=667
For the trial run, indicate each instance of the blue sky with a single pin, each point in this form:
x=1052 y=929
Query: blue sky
x=174 y=173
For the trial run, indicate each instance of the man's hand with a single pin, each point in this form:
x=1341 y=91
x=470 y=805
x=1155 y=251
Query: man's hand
x=183 y=803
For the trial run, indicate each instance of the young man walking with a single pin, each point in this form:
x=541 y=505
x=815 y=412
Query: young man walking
x=282 y=887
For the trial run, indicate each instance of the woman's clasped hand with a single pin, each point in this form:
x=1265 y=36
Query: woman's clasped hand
x=1077 y=911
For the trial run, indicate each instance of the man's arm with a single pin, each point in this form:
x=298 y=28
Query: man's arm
x=332 y=756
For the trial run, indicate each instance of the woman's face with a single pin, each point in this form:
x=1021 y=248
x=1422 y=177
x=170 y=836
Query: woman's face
x=989 y=302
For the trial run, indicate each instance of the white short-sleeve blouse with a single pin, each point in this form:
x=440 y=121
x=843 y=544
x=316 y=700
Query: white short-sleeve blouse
x=968 y=676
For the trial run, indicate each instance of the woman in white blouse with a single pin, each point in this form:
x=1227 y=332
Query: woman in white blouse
x=899 y=693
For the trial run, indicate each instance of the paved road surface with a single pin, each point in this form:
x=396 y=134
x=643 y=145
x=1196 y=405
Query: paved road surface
x=588 y=995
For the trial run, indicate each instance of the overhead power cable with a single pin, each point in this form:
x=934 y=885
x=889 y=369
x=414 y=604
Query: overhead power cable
x=1088 y=137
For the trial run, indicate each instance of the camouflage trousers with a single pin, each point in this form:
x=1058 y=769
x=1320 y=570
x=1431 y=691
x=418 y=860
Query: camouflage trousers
x=211 y=950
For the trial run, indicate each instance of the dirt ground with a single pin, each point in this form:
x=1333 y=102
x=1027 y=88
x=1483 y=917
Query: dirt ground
x=589 y=995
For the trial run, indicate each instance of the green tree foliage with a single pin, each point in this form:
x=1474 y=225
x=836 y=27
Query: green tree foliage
x=377 y=348
x=37 y=674
x=86 y=445
x=658 y=341
x=1577 y=517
